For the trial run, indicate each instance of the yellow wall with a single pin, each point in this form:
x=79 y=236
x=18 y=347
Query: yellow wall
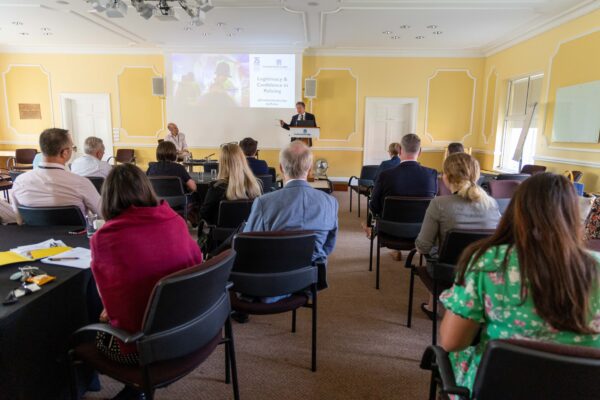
x=566 y=55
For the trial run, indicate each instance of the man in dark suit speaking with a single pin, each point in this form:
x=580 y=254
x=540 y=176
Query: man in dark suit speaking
x=298 y=120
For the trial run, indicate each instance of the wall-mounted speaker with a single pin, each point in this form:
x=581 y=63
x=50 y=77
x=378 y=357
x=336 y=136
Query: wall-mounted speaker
x=158 y=86
x=310 y=88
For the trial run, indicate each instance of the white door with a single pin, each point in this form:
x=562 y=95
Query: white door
x=386 y=120
x=86 y=115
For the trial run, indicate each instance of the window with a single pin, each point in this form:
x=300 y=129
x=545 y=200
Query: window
x=522 y=94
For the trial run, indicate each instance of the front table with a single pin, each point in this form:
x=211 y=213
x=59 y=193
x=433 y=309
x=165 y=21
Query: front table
x=35 y=332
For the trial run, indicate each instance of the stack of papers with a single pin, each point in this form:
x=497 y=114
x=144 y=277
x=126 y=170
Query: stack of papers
x=33 y=252
x=78 y=257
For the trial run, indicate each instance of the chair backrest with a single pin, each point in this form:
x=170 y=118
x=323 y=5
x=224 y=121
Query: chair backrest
x=266 y=182
x=125 y=155
x=209 y=166
x=512 y=177
x=97 y=181
x=273 y=173
x=577 y=175
x=457 y=240
x=533 y=169
x=25 y=156
x=525 y=369
x=273 y=263
x=233 y=212
x=52 y=216
x=503 y=189
x=367 y=175
x=167 y=186
x=403 y=216
x=186 y=310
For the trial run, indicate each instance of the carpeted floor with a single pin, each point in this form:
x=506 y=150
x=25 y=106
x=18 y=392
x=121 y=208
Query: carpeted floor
x=364 y=349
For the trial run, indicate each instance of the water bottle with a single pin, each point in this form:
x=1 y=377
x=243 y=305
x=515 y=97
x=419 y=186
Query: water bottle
x=91 y=224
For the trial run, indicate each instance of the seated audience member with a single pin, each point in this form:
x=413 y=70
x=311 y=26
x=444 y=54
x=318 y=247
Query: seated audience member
x=394 y=161
x=91 y=163
x=298 y=206
x=469 y=207
x=51 y=184
x=592 y=224
x=234 y=182
x=250 y=148
x=409 y=179
x=142 y=241
x=455 y=147
x=534 y=279
x=166 y=154
x=178 y=139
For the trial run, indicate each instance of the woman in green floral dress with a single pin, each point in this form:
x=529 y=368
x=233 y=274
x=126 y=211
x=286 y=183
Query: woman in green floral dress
x=533 y=279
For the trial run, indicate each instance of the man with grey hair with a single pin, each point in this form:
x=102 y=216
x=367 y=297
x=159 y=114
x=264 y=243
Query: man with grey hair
x=91 y=164
x=297 y=206
x=409 y=179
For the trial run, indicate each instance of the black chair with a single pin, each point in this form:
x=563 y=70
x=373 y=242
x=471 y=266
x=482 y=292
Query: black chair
x=183 y=324
x=232 y=213
x=170 y=189
x=22 y=160
x=5 y=184
x=211 y=166
x=272 y=264
x=521 y=370
x=364 y=184
x=52 y=216
x=267 y=183
x=533 y=169
x=97 y=181
x=512 y=177
x=398 y=227
x=443 y=268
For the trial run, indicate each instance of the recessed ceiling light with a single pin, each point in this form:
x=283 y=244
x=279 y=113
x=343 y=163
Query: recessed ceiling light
x=387 y=32
x=395 y=37
x=420 y=37
x=313 y=3
x=230 y=35
x=24 y=33
x=437 y=32
x=220 y=24
x=187 y=28
x=62 y=2
x=404 y=26
x=17 y=23
x=45 y=29
x=205 y=34
x=47 y=33
x=238 y=30
x=432 y=26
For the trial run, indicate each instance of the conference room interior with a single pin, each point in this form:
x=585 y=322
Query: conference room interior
x=334 y=177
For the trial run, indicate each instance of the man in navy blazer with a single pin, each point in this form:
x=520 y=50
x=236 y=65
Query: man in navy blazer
x=297 y=206
x=408 y=179
x=250 y=148
x=296 y=120
x=394 y=161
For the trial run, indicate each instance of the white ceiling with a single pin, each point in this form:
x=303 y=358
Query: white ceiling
x=428 y=27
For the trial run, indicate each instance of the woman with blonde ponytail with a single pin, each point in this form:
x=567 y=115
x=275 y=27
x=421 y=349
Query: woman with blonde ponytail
x=469 y=207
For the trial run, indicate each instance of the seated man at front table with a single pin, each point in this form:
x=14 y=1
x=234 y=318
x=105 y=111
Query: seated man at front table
x=91 y=163
x=250 y=148
x=297 y=206
x=409 y=179
x=178 y=139
x=52 y=185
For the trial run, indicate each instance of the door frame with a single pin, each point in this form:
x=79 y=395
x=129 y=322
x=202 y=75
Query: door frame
x=66 y=117
x=414 y=101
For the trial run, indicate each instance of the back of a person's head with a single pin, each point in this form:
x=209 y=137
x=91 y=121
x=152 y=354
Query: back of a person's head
x=455 y=147
x=296 y=160
x=411 y=144
x=462 y=173
x=394 y=149
x=249 y=146
x=92 y=145
x=166 y=151
x=126 y=185
x=53 y=141
x=543 y=226
x=234 y=169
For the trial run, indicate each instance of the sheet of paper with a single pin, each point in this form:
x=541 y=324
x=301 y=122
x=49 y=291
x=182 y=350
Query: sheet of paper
x=9 y=257
x=83 y=258
x=25 y=250
x=52 y=251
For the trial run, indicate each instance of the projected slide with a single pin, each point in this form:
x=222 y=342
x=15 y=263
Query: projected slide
x=249 y=80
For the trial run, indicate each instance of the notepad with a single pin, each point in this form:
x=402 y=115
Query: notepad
x=83 y=258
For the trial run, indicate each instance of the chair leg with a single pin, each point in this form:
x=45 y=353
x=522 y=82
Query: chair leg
x=358 y=195
x=231 y=352
x=434 y=309
x=350 y=199
x=147 y=388
x=73 y=377
x=314 y=329
x=432 y=386
x=377 y=265
x=371 y=252
x=411 y=289
x=227 y=363
x=293 y=321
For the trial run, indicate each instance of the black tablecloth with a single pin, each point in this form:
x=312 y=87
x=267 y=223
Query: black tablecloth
x=34 y=332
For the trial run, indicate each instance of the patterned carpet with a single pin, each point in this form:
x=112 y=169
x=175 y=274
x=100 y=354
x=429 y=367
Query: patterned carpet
x=364 y=349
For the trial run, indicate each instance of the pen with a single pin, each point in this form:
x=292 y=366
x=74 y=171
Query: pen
x=64 y=258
